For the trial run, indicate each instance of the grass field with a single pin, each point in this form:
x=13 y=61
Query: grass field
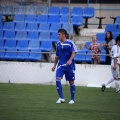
x=37 y=102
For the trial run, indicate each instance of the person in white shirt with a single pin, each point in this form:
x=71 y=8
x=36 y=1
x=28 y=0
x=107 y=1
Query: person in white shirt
x=115 y=66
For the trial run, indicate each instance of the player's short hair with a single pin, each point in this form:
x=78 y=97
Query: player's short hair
x=63 y=31
x=118 y=38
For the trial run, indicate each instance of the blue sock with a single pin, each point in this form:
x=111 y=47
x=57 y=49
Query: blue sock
x=59 y=88
x=72 y=91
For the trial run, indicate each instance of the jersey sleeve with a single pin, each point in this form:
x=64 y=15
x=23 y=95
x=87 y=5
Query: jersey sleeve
x=114 y=50
x=74 y=48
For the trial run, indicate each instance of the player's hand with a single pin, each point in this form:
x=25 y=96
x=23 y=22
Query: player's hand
x=53 y=68
x=114 y=67
x=68 y=62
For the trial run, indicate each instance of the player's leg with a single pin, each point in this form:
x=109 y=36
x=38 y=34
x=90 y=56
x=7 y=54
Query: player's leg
x=59 y=75
x=70 y=76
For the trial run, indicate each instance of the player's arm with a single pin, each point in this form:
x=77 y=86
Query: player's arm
x=55 y=63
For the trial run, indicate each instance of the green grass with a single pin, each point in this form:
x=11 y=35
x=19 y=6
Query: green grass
x=37 y=102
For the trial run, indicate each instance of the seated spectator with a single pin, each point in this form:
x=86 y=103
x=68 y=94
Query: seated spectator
x=108 y=45
x=95 y=49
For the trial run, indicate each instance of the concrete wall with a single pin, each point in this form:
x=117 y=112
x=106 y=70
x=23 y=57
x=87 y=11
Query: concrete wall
x=40 y=73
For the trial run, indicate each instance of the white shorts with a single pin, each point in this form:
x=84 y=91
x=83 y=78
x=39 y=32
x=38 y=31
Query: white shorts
x=116 y=73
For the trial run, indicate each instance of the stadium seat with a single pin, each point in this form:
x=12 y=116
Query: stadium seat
x=115 y=35
x=42 y=19
x=118 y=30
x=80 y=58
x=22 y=55
x=34 y=45
x=33 y=35
x=43 y=27
x=10 y=55
x=64 y=11
x=19 y=9
x=9 y=26
x=10 y=44
x=88 y=57
x=111 y=27
x=8 y=10
x=44 y=36
x=0 y=17
x=22 y=44
x=35 y=56
x=77 y=11
x=54 y=11
x=2 y=54
x=65 y=26
x=21 y=35
x=117 y=22
x=20 y=26
x=19 y=18
x=101 y=37
x=77 y=20
x=1 y=25
x=9 y=35
x=1 y=43
x=54 y=19
x=103 y=57
x=55 y=27
x=1 y=34
x=64 y=19
x=30 y=18
x=46 y=46
x=32 y=27
x=54 y=37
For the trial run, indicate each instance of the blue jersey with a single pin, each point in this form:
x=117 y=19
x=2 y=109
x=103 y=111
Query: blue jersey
x=64 y=52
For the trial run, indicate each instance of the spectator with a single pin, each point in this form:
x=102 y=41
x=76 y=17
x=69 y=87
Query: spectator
x=108 y=45
x=95 y=49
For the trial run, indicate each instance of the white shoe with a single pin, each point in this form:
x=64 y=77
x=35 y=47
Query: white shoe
x=71 y=102
x=60 y=100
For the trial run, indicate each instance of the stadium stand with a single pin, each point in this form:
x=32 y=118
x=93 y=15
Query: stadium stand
x=66 y=27
x=117 y=22
x=1 y=25
x=10 y=44
x=115 y=35
x=1 y=34
x=77 y=20
x=118 y=30
x=32 y=27
x=0 y=17
x=19 y=18
x=46 y=46
x=64 y=11
x=9 y=26
x=88 y=57
x=54 y=19
x=44 y=36
x=64 y=19
x=30 y=18
x=101 y=37
x=20 y=26
x=55 y=27
x=111 y=27
x=1 y=43
x=2 y=54
x=33 y=45
x=42 y=19
x=33 y=35
x=77 y=11
x=22 y=44
x=9 y=35
x=54 y=37
x=21 y=35
x=103 y=57
x=44 y=27
x=54 y=11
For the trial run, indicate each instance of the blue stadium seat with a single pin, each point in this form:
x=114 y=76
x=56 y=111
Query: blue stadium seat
x=1 y=43
x=19 y=18
x=111 y=27
x=88 y=12
x=43 y=27
x=64 y=19
x=115 y=35
x=0 y=17
x=54 y=11
x=22 y=55
x=117 y=22
x=22 y=44
x=20 y=26
x=35 y=56
x=21 y=35
x=101 y=37
x=10 y=55
x=33 y=35
x=64 y=11
x=34 y=45
x=77 y=20
x=2 y=54
x=77 y=11
x=54 y=19
x=1 y=25
x=10 y=35
x=55 y=27
x=103 y=57
x=118 y=30
x=44 y=36
x=9 y=26
x=88 y=57
x=42 y=19
x=10 y=44
x=32 y=27
x=46 y=46
x=30 y=18
x=1 y=34
x=54 y=37
x=65 y=26
x=87 y=44
x=80 y=58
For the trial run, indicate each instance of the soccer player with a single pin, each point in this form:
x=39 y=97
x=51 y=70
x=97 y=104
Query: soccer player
x=64 y=60
x=115 y=66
